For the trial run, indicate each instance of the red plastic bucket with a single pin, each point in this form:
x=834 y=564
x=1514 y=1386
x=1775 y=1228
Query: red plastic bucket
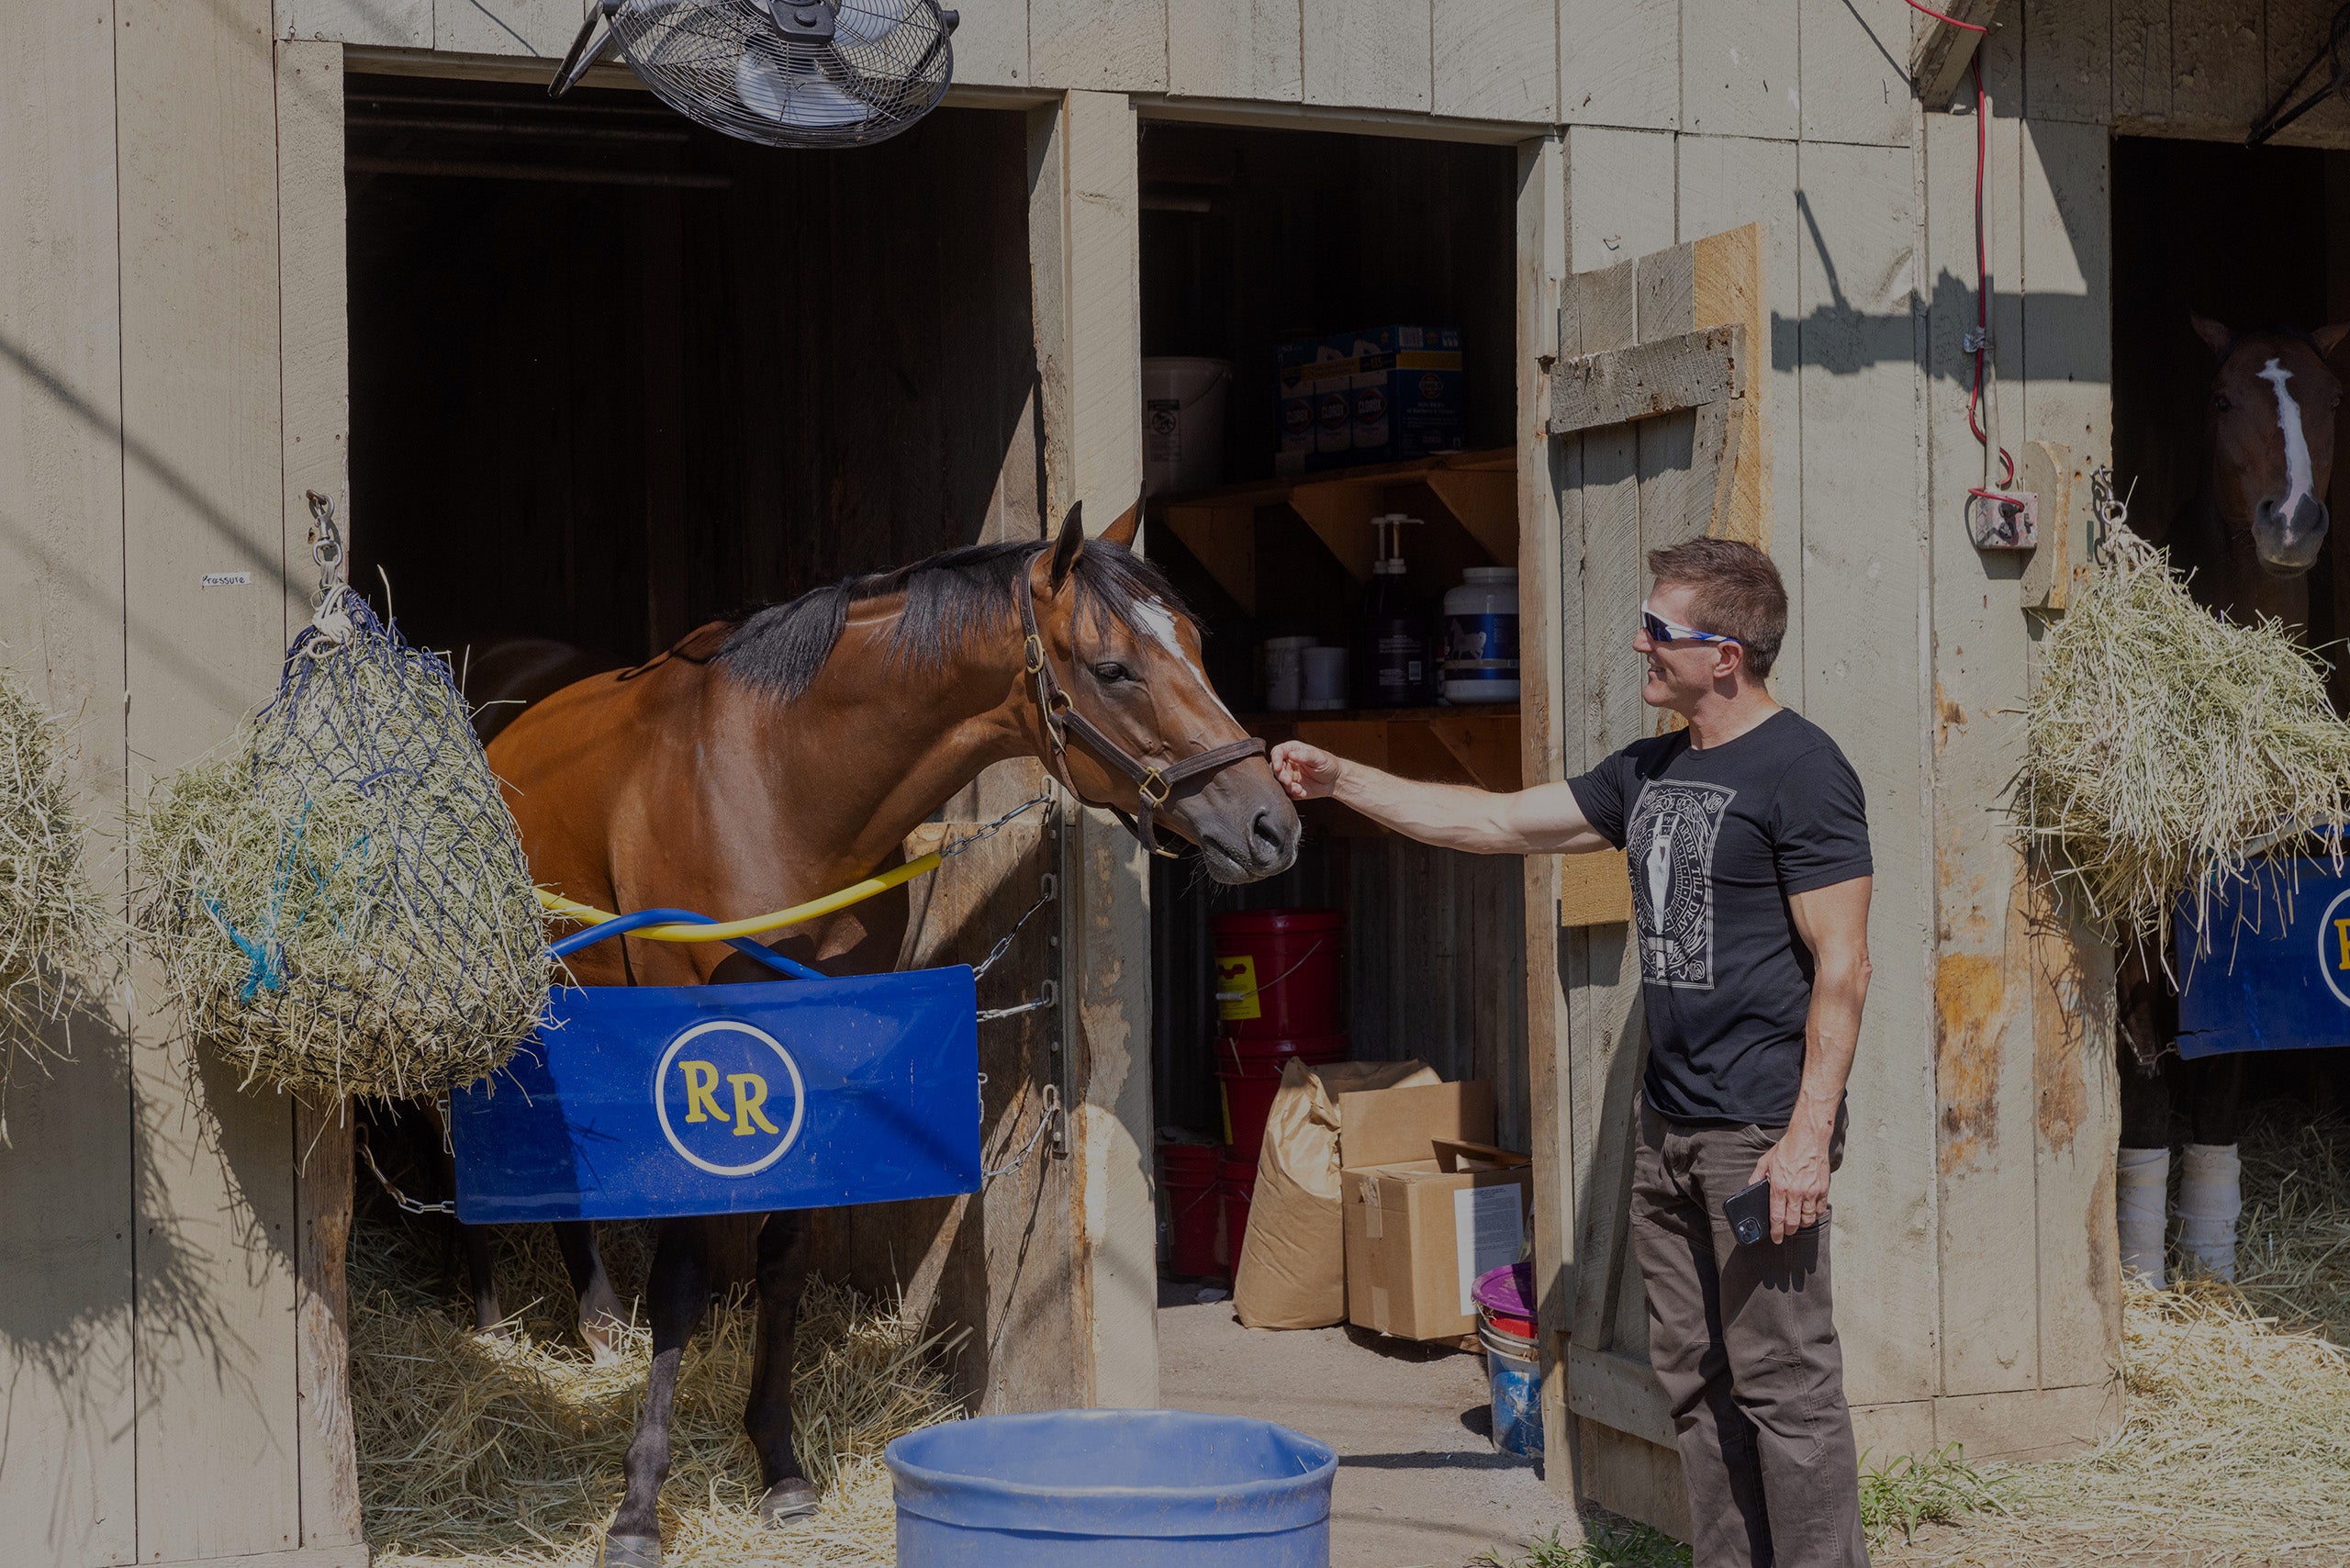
x=1188 y=1173
x=1249 y=1080
x=1276 y=972
x=1239 y=1185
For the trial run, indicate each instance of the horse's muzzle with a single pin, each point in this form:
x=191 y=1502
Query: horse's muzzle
x=2288 y=541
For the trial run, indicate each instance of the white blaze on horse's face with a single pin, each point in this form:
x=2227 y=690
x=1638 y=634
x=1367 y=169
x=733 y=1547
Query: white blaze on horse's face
x=2298 y=483
x=1160 y=622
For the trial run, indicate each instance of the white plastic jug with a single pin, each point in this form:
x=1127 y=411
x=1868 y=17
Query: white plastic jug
x=1183 y=423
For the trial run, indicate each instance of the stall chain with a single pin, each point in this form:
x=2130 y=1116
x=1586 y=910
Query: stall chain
x=391 y=1191
x=1043 y=1124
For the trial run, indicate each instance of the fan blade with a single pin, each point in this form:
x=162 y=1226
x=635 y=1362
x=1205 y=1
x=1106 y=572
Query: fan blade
x=794 y=97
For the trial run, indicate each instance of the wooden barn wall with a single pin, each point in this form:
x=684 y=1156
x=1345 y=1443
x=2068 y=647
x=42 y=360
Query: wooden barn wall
x=170 y=1370
x=1434 y=967
x=717 y=388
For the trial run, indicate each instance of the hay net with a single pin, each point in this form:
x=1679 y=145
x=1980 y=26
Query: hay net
x=59 y=943
x=2165 y=749
x=339 y=898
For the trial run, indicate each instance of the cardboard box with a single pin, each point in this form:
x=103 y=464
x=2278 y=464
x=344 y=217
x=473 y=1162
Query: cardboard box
x=1430 y=1204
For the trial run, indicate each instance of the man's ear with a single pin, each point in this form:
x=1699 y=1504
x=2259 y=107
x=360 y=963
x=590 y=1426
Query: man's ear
x=1122 y=533
x=1065 y=548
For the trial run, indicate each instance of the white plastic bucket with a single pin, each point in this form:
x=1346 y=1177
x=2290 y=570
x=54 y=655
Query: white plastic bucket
x=1183 y=423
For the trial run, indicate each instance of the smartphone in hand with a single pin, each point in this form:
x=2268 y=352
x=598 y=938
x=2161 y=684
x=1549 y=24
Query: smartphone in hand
x=1749 y=1213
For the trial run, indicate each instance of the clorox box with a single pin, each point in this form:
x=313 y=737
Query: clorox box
x=1293 y=398
x=1407 y=392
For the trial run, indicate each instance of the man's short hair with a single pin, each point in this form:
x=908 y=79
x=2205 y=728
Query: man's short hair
x=1737 y=593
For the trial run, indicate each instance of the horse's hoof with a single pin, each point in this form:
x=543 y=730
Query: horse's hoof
x=630 y=1551
x=790 y=1498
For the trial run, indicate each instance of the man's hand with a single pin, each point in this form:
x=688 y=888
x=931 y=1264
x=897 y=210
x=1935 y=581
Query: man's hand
x=1307 y=772
x=1797 y=1169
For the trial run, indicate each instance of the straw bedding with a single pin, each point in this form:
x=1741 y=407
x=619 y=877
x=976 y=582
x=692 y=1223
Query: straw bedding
x=2235 y=1449
x=338 y=899
x=54 y=933
x=506 y=1453
x=2164 y=745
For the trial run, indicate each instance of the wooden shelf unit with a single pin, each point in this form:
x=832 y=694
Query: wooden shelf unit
x=1476 y=491
x=1466 y=744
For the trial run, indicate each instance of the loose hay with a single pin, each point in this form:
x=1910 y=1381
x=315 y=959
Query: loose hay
x=2235 y=1449
x=476 y=1452
x=54 y=932
x=2164 y=745
x=339 y=899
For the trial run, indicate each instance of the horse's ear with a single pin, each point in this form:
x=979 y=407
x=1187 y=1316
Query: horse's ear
x=2215 y=335
x=2328 y=339
x=1122 y=533
x=1065 y=548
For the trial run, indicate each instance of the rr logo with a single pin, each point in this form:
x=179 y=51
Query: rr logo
x=760 y=1079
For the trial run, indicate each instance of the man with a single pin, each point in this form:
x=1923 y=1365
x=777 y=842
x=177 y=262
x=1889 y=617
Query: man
x=1750 y=863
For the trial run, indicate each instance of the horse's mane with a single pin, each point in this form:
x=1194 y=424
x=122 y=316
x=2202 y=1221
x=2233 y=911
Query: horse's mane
x=950 y=598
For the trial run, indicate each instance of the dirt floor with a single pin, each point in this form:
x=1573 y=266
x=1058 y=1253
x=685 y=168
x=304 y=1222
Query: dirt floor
x=1419 y=1485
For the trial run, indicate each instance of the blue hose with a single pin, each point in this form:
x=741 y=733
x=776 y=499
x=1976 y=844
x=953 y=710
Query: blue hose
x=625 y=924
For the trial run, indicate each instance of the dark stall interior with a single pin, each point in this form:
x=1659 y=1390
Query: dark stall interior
x=612 y=375
x=1251 y=239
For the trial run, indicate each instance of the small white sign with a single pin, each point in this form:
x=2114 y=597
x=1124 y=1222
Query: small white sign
x=227 y=579
x=1488 y=1229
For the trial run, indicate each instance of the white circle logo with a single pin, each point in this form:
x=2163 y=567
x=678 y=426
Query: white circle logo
x=2326 y=928
x=725 y=1086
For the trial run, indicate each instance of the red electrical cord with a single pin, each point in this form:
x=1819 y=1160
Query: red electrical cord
x=1982 y=277
x=1982 y=263
x=1953 y=21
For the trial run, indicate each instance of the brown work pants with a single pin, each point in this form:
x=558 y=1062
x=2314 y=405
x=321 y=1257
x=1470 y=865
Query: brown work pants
x=1742 y=1341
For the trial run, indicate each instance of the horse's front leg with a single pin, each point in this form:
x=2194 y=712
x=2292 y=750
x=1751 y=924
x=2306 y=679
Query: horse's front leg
x=600 y=1319
x=783 y=1271
x=2147 y=1061
x=678 y=1288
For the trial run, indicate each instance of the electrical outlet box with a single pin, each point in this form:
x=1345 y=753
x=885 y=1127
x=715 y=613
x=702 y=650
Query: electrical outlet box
x=2003 y=519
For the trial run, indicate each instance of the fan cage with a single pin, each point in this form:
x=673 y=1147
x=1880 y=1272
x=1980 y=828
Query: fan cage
x=725 y=64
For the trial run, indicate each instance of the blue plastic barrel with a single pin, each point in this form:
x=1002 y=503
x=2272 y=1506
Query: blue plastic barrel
x=1112 y=1489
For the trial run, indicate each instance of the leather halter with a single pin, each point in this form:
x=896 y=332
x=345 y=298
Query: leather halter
x=1153 y=786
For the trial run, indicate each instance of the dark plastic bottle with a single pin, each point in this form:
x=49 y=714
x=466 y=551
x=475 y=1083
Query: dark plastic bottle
x=1393 y=666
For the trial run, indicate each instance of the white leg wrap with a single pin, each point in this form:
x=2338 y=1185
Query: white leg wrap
x=2142 y=1182
x=2211 y=1197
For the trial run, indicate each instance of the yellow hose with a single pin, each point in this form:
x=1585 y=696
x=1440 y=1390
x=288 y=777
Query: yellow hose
x=855 y=893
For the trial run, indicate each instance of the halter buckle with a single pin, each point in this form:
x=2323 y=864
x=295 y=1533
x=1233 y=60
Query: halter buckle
x=1035 y=653
x=1165 y=789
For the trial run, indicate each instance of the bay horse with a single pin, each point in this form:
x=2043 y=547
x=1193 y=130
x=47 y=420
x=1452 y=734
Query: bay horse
x=2247 y=541
x=765 y=761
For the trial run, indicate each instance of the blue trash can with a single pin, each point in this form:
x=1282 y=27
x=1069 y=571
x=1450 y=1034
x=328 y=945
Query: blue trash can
x=1112 y=1489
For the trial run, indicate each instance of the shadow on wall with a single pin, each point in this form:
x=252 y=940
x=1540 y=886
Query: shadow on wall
x=106 y=1300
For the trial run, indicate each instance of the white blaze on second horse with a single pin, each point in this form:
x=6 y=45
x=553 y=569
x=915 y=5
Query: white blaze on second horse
x=2298 y=483
x=1160 y=622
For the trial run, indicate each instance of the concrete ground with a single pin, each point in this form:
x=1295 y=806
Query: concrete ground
x=1419 y=1485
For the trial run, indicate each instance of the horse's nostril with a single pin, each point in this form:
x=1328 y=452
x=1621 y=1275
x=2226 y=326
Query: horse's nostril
x=1266 y=835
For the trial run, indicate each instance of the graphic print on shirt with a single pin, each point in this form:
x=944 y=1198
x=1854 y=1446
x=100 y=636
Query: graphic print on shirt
x=1671 y=843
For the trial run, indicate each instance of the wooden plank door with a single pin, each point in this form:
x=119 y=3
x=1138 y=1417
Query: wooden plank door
x=1655 y=420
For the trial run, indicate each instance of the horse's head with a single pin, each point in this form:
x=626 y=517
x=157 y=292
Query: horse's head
x=2272 y=408
x=1121 y=682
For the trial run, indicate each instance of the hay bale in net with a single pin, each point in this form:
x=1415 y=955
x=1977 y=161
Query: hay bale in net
x=55 y=935
x=339 y=898
x=2164 y=746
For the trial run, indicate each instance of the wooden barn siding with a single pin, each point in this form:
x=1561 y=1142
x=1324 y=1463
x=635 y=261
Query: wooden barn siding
x=157 y=1277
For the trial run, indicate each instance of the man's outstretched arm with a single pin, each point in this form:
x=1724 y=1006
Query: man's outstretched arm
x=1545 y=819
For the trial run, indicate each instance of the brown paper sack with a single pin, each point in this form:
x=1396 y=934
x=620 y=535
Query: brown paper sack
x=1292 y=1271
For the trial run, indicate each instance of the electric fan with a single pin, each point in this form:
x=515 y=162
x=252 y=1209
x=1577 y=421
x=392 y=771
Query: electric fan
x=781 y=72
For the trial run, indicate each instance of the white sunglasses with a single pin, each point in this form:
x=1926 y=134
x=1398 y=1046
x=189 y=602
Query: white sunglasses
x=1660 y=630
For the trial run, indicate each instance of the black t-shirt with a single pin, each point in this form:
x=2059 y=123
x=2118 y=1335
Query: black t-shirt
x=1718 y=841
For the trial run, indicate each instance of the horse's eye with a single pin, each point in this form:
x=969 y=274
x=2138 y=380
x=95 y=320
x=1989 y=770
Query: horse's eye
x=1110 y=673
x=2221 y=402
